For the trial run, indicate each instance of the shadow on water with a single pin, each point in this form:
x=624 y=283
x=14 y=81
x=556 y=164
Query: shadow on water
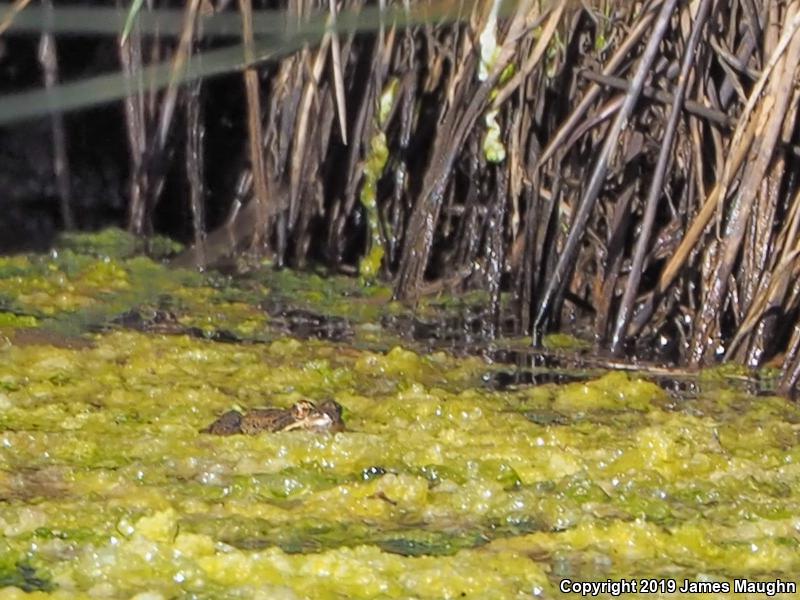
x=524 y=365
x=307 y=324
x=513 y=363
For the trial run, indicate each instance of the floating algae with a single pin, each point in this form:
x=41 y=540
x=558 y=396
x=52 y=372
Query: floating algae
x=439 y=487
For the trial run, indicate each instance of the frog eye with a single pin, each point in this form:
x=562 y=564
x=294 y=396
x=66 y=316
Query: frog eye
x=302 y=409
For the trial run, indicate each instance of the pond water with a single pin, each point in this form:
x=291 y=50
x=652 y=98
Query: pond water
x=441 y=486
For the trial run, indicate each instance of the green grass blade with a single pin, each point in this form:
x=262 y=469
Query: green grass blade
x=133 y=13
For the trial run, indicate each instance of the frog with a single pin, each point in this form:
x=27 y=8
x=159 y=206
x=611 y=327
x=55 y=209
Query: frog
x=301 y=416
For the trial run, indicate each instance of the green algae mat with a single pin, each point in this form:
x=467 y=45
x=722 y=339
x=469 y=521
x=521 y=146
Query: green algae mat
x=441 y=486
